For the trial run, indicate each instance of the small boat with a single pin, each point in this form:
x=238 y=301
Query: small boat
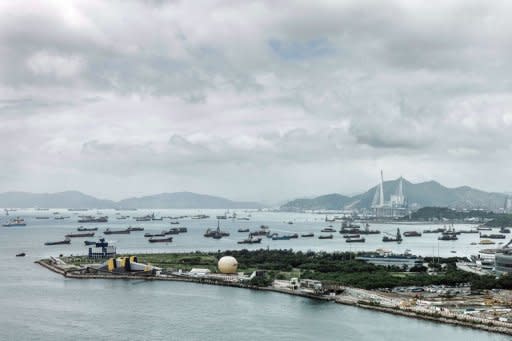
x=65 y=241
x=175 y=222
x=504 y=230
x=42 y=217
x=22 y=254
x=160 y=240
x=483 y=228
x=182 y=229
x=355 y=240
x=486 y=242
x=89 y=242
x=412 y=234
x=328 y=229
x=329 y=236
x=243 y=230
x=79 y=235
x=307 y=235
x=15 y=222
x=290 y=222
x=81 y=229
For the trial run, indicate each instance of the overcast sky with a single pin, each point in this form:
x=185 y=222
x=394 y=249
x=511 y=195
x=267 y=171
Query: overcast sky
x=253 y=100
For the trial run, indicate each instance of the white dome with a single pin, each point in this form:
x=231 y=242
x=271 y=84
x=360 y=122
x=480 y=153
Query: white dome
x=227 y=265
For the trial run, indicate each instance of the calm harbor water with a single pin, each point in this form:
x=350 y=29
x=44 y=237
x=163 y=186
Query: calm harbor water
x=40 y=305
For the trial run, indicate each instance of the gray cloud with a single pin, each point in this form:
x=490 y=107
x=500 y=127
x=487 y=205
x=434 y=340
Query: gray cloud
x=255 y=100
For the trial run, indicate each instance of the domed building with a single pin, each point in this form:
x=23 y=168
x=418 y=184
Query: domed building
x=228 y=265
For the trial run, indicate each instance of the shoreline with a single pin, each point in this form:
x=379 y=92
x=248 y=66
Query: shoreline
x=450 y=318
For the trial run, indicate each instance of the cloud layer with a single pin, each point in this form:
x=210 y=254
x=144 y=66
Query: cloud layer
x=253 y=100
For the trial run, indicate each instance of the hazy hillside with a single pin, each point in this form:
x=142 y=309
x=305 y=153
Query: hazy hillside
x=429 y=193
x=68 y=199
x=74 y=199
x=184 y=200
x=325 y=202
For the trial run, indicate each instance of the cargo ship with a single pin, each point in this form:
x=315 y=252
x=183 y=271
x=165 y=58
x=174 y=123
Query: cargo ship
x=79 y=235
x=397 y=238
x=412 y=234
x=150 y=235
x=216 y=234
x=492 y=236
x=133 y=229
x=82 y=229
x=91 y=219
x=160 y=240
x=250 y=240
x=60 y=242
x=275 y=236
x=348 y=236
x=109 y=231
x=448 y=236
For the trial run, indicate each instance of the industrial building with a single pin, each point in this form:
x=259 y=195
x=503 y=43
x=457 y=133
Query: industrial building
x=396 y=206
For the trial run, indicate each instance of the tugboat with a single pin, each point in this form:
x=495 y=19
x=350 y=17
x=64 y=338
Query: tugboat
x=15 y=222
x=504 y=230
x=397 y=238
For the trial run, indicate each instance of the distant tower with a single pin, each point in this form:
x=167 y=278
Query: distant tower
x=508 y=205
x=381 y=201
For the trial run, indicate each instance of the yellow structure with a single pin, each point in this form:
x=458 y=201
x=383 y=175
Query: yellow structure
x=228 y=265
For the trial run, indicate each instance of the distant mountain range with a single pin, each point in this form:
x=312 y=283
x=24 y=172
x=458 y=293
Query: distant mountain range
x=75 y=199
x=418 y=195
